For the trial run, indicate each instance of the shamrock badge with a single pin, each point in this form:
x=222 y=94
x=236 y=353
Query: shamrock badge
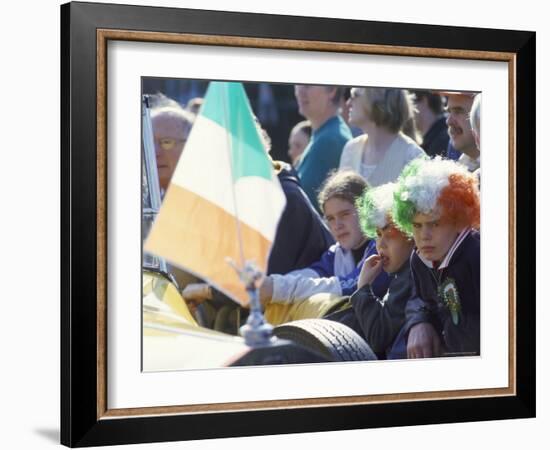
x=448 y=293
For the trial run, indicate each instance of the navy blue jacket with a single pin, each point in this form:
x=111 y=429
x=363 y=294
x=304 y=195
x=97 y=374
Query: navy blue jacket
x=436 y=139
x=455 y=312
x=379 y=317
x=302 y=236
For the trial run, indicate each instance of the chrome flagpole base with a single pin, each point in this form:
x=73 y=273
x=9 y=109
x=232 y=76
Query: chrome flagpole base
x=256 y=331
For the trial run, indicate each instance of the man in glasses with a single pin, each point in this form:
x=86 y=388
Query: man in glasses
x=171 y=127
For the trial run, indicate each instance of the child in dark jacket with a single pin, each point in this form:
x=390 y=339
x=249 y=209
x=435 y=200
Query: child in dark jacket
x=379 y=318
x=437 y=203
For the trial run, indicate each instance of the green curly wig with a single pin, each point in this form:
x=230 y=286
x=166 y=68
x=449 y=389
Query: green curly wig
x=403 y=209
x=375 y=208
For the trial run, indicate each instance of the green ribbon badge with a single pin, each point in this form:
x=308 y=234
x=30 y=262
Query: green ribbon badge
x=448 y=293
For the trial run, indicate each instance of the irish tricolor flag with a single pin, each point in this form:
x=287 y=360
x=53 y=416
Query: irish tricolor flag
x=224 y=192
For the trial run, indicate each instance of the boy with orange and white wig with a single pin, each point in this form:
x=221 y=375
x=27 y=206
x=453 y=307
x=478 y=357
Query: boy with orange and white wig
x=379 y=319
x=437 y=203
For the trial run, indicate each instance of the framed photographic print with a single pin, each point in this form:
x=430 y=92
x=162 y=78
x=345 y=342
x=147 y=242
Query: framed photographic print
x=178 y=146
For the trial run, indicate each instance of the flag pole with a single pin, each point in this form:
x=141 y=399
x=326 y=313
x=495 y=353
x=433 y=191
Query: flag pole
x=257 y=331
x=229 y=150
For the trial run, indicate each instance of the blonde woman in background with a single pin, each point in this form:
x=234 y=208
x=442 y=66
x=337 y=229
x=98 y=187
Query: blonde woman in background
x=380 y=154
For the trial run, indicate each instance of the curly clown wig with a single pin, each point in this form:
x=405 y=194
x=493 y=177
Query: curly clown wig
x=436 y=186
x=375 y=208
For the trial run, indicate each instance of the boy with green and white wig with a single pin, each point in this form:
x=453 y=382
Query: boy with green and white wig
x=379 y=319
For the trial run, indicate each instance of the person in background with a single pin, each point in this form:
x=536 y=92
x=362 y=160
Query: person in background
x=431 y=122
x=462 y=139
x=343 y=111
x=171 y=127
x=302 y=235
x=380 y=154
x=320 y=105
x=194 y=105
x=475 y=121
x=437 y=203
x=159 y=100
x=297 y=141
x=411 y=130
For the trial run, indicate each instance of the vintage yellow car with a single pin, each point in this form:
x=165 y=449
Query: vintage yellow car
x=174 y=340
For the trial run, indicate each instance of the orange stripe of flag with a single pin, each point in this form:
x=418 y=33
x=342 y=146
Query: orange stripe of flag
x=187 y=233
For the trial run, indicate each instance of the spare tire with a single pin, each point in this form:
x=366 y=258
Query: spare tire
x=335 y=341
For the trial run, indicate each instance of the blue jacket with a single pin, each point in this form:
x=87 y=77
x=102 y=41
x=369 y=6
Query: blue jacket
x=335 y=273
x=327 y=266
x=448 y=296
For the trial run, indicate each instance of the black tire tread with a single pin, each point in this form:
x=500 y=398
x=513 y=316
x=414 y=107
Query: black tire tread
x=334 y=340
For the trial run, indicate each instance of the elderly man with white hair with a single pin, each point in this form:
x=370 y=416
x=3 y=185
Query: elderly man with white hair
x=171 y=127
x=475 y=115
x=475 y=121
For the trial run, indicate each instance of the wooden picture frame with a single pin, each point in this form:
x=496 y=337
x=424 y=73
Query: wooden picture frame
x=86 y=418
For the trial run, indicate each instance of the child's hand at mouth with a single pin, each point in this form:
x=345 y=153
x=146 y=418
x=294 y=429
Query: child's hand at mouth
x=370 y=270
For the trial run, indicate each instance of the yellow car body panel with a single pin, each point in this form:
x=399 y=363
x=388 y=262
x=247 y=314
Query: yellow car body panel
x=164 y=309
x=172 y=338
x=159 y=287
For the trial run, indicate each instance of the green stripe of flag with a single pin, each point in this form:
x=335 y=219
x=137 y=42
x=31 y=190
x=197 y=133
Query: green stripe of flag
x=226 y=104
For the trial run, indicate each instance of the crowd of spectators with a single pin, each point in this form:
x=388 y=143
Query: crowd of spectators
x=382 y=211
